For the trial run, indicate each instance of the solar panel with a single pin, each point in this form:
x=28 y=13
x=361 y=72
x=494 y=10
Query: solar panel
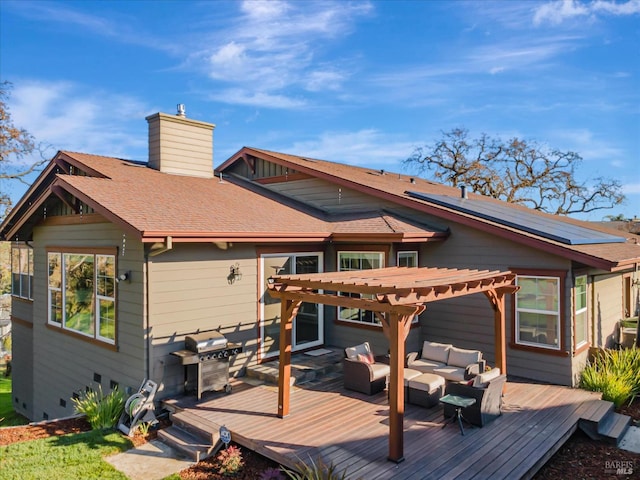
x=550 y=228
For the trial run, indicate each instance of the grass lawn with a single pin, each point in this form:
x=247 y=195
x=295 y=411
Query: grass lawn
x=7 y=415
x=67 y=457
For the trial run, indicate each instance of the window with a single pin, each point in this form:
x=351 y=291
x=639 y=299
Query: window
x=538 y=311
x=580 y=313
x=82 y=293
x=407 y=259
x=349 y=261
x=22 y=271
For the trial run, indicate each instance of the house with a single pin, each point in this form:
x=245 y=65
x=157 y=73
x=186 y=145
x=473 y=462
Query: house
x=116 y=261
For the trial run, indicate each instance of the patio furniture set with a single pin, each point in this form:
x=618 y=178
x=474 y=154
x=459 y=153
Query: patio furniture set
x=438 y=374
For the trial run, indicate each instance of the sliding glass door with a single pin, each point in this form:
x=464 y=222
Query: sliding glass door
x=308 y=328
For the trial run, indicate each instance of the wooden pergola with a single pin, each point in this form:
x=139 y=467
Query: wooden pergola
x=395 y=295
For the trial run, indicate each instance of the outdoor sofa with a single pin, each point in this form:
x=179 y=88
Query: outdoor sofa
x=452 y=363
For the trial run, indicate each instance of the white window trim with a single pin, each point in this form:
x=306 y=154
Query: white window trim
x=96 y=309
x=29 y=273
x=263 y=281
x=381 y=254
x=584 y=310
x=557 y=314
x=414 y=252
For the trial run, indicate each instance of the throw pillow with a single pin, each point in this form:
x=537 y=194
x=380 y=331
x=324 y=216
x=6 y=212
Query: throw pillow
x=365 y=358
x=459 y=357
x=438 y=352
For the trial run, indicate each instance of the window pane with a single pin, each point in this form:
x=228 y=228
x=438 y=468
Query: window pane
x=537 y=311
x=15 y=271
x=581 y=327
x=106 y=275
x=407 y=259
x=107 y=319
x=55 y=305
x=538 y=294
x=351 y=261
x=581 y=293
x=79 y=292
x=55 y=271
x=538 y=328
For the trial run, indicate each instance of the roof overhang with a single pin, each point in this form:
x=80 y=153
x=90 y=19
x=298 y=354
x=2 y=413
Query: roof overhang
x=442 y=212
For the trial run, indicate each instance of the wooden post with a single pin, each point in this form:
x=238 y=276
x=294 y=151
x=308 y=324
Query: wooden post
x=396 y=387
x=288 y=310
x=500 y=332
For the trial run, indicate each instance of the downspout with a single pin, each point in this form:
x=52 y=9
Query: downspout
x=148 y=315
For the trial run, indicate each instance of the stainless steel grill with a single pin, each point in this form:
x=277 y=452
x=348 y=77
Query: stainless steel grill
x=206 y=361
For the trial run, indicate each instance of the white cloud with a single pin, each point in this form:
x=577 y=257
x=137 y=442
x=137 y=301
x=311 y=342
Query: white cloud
x=558 y=11
x=367 y=147
x=276 y=45
x=240 y=96
x=64 y=116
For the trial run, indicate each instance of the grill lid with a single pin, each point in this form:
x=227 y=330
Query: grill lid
x=204 y=342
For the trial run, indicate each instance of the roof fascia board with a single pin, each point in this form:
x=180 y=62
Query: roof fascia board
x=27 y=197
x=204 y=237
x=28 y=213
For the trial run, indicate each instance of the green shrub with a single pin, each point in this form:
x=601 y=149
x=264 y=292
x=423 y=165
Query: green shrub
x=102 y=411
x=615 y=373
x=315 y=471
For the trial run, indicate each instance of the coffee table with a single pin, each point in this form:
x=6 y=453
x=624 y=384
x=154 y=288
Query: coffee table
x=459 y=402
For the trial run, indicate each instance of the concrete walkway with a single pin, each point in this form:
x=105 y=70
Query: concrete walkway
x=151 y=461
x=631 y=440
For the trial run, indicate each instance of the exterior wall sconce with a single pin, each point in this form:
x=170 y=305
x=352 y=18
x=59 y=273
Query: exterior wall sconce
x=234 y=273
x=124 y=277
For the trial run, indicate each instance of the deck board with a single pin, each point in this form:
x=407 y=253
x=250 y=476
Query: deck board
x=351 y=430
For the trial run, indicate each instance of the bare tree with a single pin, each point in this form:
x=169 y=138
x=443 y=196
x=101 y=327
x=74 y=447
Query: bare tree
x=16 y=145
x=516 y=171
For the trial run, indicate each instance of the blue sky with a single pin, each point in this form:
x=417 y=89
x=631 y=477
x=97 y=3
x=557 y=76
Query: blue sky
x=359 y=82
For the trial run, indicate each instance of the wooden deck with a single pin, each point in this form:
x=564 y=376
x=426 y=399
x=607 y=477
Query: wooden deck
x=351 y=430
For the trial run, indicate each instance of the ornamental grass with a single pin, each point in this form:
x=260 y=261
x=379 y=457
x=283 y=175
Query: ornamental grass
x=615 y=373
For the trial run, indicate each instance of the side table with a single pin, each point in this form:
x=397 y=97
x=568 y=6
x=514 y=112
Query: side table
x=459 y=402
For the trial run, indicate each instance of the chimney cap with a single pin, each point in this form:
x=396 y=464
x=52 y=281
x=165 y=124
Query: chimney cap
x=181 y=110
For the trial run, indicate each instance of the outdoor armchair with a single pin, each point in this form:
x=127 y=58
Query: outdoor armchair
x=363 y=371
x=488 y=394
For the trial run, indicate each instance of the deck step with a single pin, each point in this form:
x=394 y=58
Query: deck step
x=601 y=422
x=190 y=445
x=202 y=428
x=593 y=415
x=305 y=369
x=613 y=427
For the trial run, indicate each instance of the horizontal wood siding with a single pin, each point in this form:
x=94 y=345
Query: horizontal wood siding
x=328 y=196
x=22 y=368
x=467 y=322
x=607 y=303
x=63 y=363
x=190 y=292
x=22 y=309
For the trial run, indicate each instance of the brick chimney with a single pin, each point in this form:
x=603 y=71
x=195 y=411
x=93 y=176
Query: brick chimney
x=179 y=145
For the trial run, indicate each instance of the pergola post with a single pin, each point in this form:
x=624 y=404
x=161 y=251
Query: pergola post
x=288 y=310
x=497 y=299
x=396 y=386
